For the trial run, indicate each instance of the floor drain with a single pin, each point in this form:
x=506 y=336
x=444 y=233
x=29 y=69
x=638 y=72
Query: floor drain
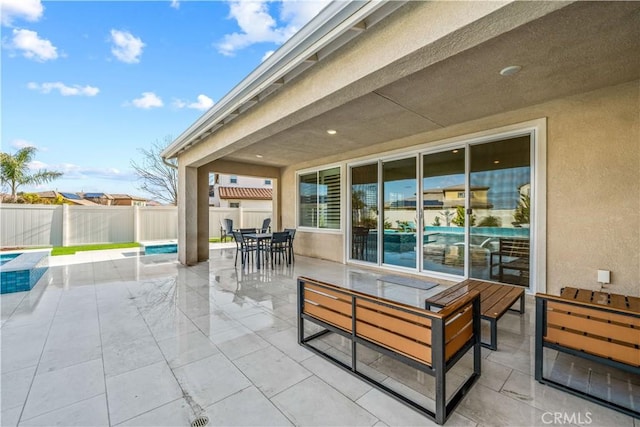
x=200 y=421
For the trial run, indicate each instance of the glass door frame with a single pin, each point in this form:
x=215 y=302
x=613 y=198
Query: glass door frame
x=535 y=129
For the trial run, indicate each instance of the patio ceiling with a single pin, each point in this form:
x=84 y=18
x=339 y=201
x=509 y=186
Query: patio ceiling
x=579 y=48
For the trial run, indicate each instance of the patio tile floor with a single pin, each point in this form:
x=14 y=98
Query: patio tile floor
x=124 y=339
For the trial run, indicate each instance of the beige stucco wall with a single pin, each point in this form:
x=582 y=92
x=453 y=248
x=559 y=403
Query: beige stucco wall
x=593 y=186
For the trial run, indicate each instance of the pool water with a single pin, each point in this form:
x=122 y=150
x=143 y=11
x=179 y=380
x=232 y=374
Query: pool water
x=5 y=258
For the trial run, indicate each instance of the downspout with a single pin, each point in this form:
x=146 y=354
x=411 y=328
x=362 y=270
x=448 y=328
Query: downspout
x=166 y=162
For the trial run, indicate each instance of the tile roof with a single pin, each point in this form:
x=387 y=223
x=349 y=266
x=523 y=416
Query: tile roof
x=245 y=193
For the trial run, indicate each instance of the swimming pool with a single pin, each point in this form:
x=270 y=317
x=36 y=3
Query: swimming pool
x=5 y=258
x=21 y=271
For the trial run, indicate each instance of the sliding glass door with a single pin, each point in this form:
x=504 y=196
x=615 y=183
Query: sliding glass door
x=500 y=200
x=443 y=194
x=364 y=213
x=463 y=211
x=399 y=212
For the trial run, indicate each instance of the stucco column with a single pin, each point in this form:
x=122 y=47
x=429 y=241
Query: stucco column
x=276 y=216
x=203 y=214
x=187 y=215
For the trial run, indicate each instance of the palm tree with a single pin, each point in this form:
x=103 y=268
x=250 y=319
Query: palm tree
x=14 y=170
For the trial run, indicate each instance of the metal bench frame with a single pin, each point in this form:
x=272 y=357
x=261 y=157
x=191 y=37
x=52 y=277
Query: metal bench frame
x=541 y=343
x=439 y=365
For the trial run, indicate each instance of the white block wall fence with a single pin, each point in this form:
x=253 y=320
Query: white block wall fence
x=67 y=225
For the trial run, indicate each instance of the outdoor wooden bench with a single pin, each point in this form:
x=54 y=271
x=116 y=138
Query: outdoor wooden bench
x=428 y=341
x=596 y=326
x=495 y=300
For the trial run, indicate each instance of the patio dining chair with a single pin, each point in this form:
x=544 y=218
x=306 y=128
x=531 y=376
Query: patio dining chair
x=265 y=225
x=278 y=245
x=244 y=247
x=292 y=235
x=226 y=229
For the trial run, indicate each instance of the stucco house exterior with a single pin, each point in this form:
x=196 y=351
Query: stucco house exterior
x=232 y=191
x=127 y=200
x=372 y=103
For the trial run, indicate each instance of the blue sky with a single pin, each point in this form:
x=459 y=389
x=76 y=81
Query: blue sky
x=88 y=83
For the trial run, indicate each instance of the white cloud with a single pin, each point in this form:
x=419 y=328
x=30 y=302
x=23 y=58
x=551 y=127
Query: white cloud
x=75 y=90
x=203 y=103
x=258 y=26
x=266 y=55
x=175 y=4
x=298 y=12
x=22 y=143
x=29 y=10
x=32 y=46
x=148 y=100
x=126 y=47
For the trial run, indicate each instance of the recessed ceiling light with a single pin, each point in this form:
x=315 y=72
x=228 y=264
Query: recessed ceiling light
x=332 y=131
x=495 y=162
x=455 y=151
x=259 y=156
x=510 y=70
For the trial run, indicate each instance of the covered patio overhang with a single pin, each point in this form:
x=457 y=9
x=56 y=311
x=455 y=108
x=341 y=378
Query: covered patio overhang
x=389 y=75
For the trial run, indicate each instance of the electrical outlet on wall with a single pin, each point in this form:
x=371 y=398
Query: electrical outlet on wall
x=604 y=277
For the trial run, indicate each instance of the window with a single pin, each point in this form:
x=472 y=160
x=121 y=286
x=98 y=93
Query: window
x=233 y=179
x=319 y=204
x=267 y=182
x=234 y=204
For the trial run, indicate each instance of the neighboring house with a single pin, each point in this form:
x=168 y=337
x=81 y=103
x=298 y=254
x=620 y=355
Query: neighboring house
x=94 y=199
x=409 y=96
x=456 y=196
x=232 y=191
x=127 y=200
x=99 y=198
x=450 y=197
x=70 y=198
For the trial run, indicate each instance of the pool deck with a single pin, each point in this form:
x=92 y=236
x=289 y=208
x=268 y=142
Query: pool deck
x=116 y=338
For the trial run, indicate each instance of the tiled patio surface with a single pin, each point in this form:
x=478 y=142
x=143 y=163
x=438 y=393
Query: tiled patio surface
x=129 y=340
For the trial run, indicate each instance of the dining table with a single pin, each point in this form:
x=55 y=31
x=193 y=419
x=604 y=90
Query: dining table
x=259 y=238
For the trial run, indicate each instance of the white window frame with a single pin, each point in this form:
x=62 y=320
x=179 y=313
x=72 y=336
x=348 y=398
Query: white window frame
x=318 y=169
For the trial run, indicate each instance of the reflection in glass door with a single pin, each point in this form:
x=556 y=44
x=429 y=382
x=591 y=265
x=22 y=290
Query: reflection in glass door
x=399 y=213
x=364 y=213
x=443 y=195
x=500 y=196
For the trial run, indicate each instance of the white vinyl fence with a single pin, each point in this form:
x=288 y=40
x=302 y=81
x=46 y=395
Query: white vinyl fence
x=66 y=225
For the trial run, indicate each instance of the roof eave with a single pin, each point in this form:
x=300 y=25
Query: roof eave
x=332 y=22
